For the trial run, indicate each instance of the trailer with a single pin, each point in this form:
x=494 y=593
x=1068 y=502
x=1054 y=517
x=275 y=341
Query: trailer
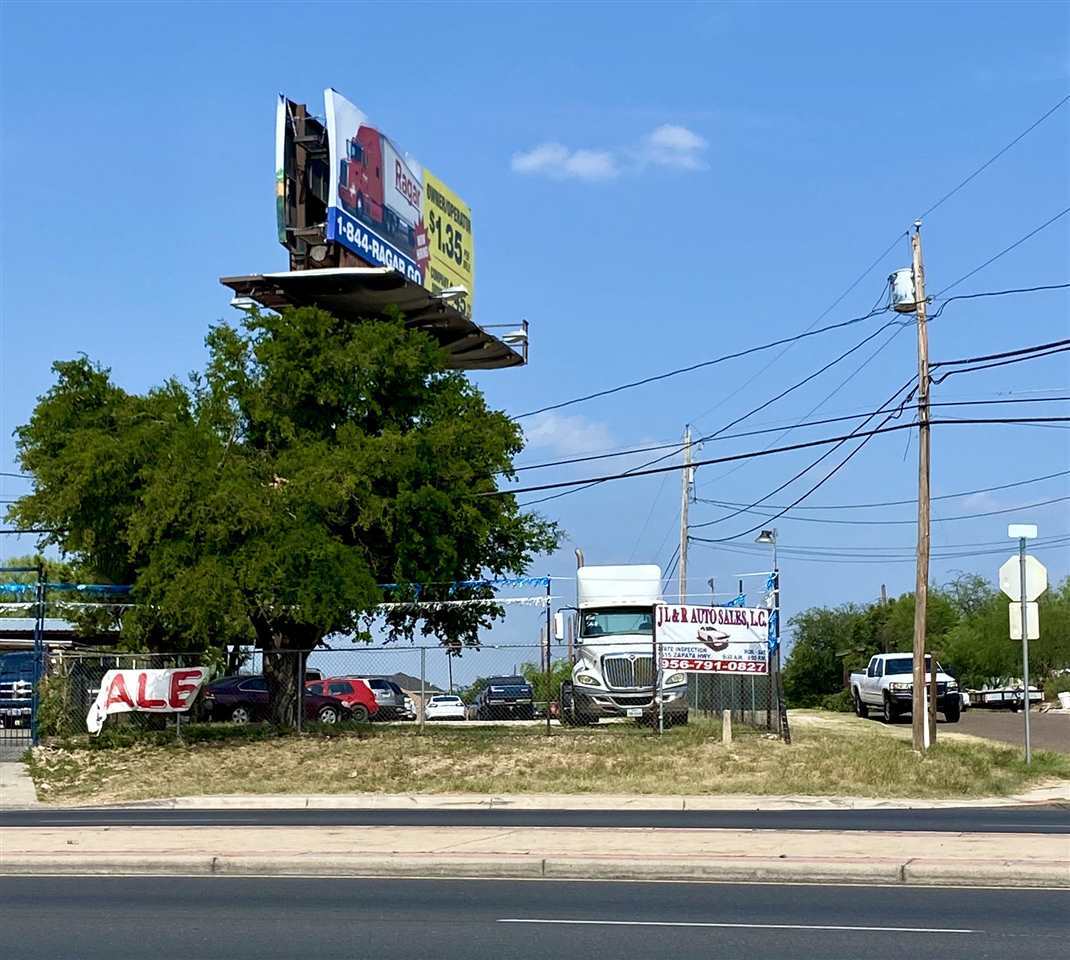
x=1005 y=698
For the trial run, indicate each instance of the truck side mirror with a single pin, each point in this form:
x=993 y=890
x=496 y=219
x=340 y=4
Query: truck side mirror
x=559 y=627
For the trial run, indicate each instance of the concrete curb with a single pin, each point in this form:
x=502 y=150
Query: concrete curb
x=964 y=873
x=1057 y=792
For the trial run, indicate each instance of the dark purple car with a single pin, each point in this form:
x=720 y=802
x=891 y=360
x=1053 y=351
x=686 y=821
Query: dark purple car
x=244 y=699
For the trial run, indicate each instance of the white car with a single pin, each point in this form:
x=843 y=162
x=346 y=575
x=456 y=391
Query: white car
x=445 y=708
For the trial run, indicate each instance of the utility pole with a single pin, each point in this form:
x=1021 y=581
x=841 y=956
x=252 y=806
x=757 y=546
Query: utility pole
x=919 y=715
x=685 y=499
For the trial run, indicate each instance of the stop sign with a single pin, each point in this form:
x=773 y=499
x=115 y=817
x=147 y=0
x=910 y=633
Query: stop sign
x=1036 y=578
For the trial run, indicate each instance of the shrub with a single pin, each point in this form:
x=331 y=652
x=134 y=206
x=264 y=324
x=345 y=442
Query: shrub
x=841 y=702
x=1053 y=686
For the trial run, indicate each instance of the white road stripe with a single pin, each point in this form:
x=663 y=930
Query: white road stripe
x=186 y=821
x=746 y=926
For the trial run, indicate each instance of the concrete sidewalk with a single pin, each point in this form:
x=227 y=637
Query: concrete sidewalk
x=588 y=853
x=1058 y=792
x=16 y=787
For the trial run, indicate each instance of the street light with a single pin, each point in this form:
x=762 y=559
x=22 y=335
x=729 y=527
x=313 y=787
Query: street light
x=768 y=536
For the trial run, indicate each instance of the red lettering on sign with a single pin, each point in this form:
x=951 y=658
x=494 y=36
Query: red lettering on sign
x=180 y=689
x=117 y=693
x=142 y=697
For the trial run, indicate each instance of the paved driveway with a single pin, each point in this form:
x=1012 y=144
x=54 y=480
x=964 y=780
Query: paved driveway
x=1047 y=731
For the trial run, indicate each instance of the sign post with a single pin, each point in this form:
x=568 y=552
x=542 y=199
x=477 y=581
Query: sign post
x=1032 y=581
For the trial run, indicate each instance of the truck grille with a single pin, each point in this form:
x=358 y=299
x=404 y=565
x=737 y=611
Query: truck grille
x=628 y=671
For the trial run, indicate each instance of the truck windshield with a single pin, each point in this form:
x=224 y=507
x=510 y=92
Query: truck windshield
x=905 y=665
x=616 y=620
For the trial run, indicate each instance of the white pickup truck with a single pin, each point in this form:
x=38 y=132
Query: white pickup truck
x=887 y=684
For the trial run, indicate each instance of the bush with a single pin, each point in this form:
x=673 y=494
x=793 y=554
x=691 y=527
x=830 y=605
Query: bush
x=1053 y=686
x=841 y=702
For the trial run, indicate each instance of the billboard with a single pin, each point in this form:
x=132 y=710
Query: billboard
x=712 y=639
x=389 y=211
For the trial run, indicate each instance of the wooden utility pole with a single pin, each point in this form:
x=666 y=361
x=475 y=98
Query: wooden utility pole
x=919 y=717
x=685 y=499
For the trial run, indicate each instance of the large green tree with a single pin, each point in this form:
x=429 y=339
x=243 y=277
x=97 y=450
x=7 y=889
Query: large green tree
x=267 y=499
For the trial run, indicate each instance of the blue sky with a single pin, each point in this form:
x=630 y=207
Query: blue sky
x=651 y=185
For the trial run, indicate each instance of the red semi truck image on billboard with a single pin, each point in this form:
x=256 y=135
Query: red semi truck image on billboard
x=376 y=186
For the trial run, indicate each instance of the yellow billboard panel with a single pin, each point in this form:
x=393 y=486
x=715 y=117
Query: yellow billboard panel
x=451 y=257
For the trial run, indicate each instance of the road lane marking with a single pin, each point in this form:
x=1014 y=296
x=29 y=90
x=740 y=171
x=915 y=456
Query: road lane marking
x=142 y=823
x=744 y=926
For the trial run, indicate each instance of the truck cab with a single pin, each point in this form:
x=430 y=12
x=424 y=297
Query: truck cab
x=613 y=672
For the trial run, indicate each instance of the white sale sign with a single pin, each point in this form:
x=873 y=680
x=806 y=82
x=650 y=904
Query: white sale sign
x=712 y=639
x=144 y=691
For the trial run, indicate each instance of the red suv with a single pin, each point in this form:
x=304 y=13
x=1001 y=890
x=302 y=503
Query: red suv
x=355 y=694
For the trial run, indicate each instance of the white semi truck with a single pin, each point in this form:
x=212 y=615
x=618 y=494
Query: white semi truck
x=614 y=673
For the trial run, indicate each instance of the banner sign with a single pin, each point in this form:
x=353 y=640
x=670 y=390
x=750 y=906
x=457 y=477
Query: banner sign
x=389 y=211
x=712 y=639
x=144 y=691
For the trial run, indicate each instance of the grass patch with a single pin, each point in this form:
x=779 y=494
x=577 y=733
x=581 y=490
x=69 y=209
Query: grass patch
x=841 y=758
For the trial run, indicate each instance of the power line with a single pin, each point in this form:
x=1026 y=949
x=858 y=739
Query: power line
x=1020 y=352
x=755 y=433
x=984 y=166
x=740 y=419
x=1003 y=252
x=999 y=293
x=897 y=503
x=889 y=549
x=698 y=366
x=743 y=549
x=887 y=523
x=758 y=453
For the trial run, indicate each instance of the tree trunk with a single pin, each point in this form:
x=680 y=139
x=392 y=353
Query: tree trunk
x=281 y=671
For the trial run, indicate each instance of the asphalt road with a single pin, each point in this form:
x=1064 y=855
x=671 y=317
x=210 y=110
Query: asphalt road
x=240 y=918
x=1031 y=819
x=1047 y=731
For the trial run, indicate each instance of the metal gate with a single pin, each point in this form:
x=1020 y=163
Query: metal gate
x=21 y=667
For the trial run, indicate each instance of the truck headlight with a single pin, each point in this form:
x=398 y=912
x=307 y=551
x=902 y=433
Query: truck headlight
x=675 y=679
x=898 y=686
x=952 y=685
x=589 y=681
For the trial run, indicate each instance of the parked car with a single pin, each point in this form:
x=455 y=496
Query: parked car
x=389 y=697
x=887 y=684
x=410 y=708
x=505 y=698
x=355 y=694
x=244 y=699
x=445 y=707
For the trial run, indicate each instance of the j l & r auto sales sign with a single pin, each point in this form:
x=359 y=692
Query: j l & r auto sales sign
x=712 y=639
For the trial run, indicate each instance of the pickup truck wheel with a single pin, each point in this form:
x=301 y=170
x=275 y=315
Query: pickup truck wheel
x=861 y=710
x=951 y=714
x=891 y=715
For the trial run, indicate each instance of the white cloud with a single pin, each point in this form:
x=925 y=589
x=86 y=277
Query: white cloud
x=555 y=160
x=669 y=145
x=566 y=435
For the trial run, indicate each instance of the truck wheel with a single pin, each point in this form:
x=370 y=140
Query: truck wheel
x=951 y=714
x=891 y=715
x=861 y=710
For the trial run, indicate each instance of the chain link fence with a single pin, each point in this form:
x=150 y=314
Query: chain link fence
x=403 y=679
